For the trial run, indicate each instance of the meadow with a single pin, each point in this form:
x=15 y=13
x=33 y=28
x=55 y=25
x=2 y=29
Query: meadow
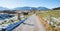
x=51 y=16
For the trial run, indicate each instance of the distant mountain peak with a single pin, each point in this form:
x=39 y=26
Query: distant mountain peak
x=25 y=8
x=31 y=8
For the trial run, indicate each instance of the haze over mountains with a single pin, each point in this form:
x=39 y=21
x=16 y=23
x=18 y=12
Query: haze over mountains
x=3 y=8
x=25 y=8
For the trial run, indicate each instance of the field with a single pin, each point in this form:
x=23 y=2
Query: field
x=46 y=15
x=54 y=13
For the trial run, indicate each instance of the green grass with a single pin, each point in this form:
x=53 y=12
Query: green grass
x=53 y=13
x=51 y=28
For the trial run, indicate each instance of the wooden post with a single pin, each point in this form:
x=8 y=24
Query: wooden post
x=19 y=16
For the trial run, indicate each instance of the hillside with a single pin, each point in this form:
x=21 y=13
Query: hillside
x=58 y=8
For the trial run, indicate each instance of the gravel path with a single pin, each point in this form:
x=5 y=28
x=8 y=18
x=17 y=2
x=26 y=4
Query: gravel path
x=31 y=24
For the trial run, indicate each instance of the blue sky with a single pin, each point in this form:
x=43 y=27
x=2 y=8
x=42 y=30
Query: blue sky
x=31 y=3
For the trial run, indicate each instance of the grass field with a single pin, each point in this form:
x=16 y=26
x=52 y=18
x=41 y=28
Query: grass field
x=47 y=14
x=54 y=13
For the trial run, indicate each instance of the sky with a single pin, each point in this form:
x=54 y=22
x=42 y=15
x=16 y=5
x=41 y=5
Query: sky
x=31 y=3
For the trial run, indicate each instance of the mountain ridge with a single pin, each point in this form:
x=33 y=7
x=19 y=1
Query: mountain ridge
x=58 y=8
x=31 y=8
x=25 y=8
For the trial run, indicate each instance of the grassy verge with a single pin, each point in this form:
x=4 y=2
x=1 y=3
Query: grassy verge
x=53 y=13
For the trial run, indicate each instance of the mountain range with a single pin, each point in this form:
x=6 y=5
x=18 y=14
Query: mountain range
x=58 y=8
x=25 y=8
x=31 y=8
x=3 y=8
